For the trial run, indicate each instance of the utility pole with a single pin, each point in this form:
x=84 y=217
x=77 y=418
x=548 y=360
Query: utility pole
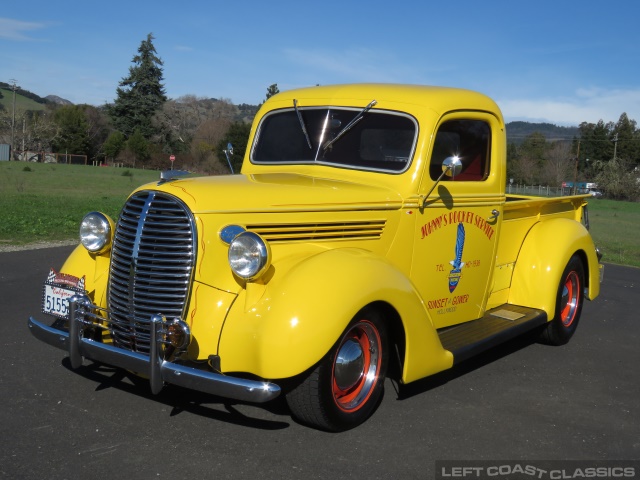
x=575 y=174
x=615 y=145
x=13 y=114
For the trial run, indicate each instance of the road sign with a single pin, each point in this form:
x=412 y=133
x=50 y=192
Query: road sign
x=172 y=158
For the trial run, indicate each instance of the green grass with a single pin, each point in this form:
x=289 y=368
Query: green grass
x=22 y=103
x=47 y=201
x=615 y=227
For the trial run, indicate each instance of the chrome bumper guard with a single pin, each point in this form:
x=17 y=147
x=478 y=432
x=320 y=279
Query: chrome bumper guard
x=154 y=366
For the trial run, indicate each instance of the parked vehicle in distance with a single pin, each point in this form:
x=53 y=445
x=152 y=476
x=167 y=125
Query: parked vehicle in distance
x=368 y=235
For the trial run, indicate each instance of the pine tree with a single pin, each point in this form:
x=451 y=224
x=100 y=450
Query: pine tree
x=141 y=94
x=73 y=131
x=272 y=90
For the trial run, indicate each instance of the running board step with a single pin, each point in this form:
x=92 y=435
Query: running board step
x=497 y=326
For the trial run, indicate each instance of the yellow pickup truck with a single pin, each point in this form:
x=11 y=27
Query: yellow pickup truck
x=367 y=236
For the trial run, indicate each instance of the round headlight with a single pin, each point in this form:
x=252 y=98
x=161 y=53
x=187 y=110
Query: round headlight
x=95 y=232
x=249 y=255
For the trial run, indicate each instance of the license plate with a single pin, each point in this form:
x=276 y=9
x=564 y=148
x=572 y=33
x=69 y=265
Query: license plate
x=56 y=300
x=58 y=289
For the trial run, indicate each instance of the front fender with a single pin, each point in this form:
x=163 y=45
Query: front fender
x=95 y=269
x=302 y=313
x=545 y=252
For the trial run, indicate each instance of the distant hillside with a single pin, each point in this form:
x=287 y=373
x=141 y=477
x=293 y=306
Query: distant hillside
x=22 y=102
x=518 y=131
x=58 y=100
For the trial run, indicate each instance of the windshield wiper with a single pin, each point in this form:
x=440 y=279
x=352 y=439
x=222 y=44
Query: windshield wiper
x=304 y=129
x=349 y=126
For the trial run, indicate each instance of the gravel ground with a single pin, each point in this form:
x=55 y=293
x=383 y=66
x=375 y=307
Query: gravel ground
x=36 y=245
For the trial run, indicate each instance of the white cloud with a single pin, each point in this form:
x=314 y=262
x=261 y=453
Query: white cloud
x=11 y=29
x=352 y=65
x=586 y=105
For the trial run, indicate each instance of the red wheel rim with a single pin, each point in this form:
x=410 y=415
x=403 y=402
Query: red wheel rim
x=356 y=366
x=570 y=299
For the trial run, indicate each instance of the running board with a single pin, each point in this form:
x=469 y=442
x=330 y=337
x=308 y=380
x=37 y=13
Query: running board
x=497 y=326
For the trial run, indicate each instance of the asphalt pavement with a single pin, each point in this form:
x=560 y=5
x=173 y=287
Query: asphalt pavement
x=523 y=402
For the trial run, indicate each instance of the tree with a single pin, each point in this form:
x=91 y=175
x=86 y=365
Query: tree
x=617 y=179
x=139 y=147
x=113 y=145
x=595 y=141
x=272 y=90
x=560 y=164
x=238 y=136
x=206 y=140
x=97 y=128
x=73 y=131
x=141 y=94
x=625 y=134
x=528 y=163
x=35 y=131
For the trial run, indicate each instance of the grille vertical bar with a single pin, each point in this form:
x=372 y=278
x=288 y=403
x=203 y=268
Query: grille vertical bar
x=153 y=254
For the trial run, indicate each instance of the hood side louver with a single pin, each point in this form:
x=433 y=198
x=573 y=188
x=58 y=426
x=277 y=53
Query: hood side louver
x=356 y=230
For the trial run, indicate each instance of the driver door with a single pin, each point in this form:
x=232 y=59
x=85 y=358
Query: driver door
x=458 y=230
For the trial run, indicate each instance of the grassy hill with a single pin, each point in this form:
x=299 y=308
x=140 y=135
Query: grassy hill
x=22 y=102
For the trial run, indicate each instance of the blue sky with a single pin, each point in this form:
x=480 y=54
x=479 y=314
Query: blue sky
x=560 y=61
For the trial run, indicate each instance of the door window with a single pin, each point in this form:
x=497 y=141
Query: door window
x=470 y=141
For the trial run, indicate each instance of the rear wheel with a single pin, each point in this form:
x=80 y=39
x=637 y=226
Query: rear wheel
x=343 y=390
x=568 y=304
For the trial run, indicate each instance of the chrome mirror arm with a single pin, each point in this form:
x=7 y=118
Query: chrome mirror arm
x=451 y=166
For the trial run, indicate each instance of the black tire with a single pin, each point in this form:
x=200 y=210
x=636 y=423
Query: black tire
x=345 y=387
x=569 y=302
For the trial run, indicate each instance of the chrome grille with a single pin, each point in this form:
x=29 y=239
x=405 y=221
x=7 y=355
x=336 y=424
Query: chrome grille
x=152 y=259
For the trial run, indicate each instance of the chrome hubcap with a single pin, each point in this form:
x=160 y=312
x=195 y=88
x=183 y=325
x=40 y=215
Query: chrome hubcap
x=570 y=299
x=349 y=365
x=356 y=366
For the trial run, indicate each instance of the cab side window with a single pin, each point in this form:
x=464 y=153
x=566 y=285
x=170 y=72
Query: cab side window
x=470 y=140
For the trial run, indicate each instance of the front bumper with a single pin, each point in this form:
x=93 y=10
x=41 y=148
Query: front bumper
x=154 y=366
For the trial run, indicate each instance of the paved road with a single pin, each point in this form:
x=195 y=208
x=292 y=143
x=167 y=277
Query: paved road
x=525 y=401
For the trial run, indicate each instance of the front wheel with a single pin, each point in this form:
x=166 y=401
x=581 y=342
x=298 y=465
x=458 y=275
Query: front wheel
x=345 y=387
x=568 y=304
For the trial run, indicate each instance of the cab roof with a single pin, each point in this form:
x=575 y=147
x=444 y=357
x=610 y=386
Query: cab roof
x=438 y=99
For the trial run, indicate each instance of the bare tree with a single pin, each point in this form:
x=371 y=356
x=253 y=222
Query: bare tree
x=525 y=169
x=34 y=131
x=203 y=146
x=559 y=165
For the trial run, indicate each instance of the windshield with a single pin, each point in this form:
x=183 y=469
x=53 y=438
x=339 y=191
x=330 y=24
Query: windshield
x=379 y=140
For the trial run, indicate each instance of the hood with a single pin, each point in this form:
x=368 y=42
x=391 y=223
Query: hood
x=277 y=192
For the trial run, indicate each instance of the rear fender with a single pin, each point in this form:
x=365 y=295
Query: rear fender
x=545 y=252
x=302 y=314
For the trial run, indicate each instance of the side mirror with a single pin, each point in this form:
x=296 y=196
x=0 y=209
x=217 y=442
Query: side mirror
x=451 y=166
x=227 y=152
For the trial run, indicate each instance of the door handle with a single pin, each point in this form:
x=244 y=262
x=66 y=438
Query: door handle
x=494 y=215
